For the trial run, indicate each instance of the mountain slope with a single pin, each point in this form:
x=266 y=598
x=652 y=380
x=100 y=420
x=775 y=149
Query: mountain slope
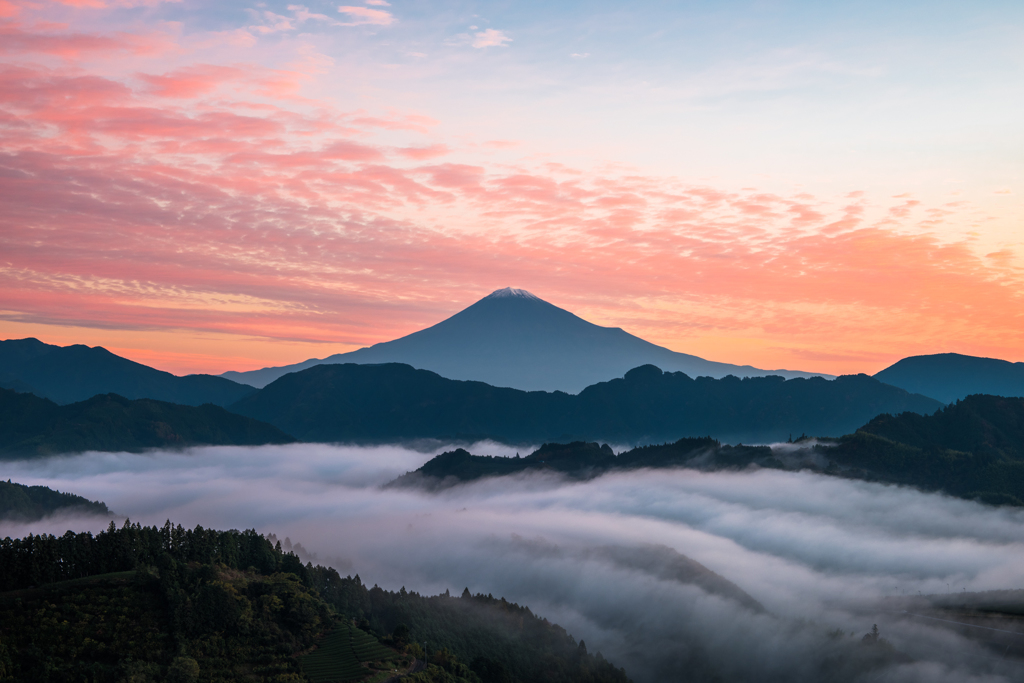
x=28 y=503
x=511 y=338
x=66 y=374
x=32 y=426
x=379 y=403
x=972 y=449
x=949 y=377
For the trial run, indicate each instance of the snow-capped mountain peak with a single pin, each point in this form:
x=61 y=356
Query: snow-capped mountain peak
x=510 y=292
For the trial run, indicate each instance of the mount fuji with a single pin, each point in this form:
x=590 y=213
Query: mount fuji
x=512 y=338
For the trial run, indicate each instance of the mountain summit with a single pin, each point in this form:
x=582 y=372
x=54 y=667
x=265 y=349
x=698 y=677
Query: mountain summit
x=511 y=338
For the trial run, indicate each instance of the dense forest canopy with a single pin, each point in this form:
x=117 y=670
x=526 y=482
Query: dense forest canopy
x=172 y=604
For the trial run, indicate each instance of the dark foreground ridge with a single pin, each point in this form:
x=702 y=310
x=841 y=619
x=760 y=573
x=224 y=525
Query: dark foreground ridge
x=394 y=402
x=31 y=426
x=972 y=449
x=171 y=604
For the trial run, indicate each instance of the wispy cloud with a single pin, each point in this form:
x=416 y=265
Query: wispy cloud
x=490 y=38
x=360 y=16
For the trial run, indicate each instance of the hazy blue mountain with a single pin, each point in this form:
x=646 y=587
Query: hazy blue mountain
x=66 y=374
x=393 y=401
x=511 y=338
x=31 y=426
x=951 y=376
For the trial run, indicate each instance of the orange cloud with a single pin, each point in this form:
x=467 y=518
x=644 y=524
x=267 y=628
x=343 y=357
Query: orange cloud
x=130 y=205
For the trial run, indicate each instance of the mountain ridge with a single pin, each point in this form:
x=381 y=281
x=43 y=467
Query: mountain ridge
x=394 y=402
x=513 y=338
x=949 y=377
x=69 y=374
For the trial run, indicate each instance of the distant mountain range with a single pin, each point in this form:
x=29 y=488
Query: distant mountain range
x=511 y=338
x=31 y=426
x=972 y=449
x=949 y=377
x=67 y=374
x=394 y=402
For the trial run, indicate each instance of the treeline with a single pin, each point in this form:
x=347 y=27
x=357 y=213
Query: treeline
x=173 y=604
x=40 y=559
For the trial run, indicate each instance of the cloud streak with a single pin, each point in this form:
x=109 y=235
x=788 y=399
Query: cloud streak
x=817 y=552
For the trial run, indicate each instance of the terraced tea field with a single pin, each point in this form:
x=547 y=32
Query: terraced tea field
x=338 y=656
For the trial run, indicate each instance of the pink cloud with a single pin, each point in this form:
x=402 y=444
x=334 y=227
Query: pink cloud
x=129 y=205
x=490 y=38
x=365 y=16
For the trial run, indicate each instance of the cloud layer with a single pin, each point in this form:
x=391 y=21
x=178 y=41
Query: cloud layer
x=819 y=553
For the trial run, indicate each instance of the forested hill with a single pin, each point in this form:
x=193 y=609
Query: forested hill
x=388 y=402
x=19 y=502
x=66 y=374
x=32 y=426
x=145 y=603
x=972 y=449
x=580 y=459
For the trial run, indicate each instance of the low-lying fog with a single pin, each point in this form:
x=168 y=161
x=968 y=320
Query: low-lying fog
x=817 y=552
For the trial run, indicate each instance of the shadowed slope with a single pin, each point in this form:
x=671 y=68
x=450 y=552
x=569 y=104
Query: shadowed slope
x=949 y=377
x=66 y=374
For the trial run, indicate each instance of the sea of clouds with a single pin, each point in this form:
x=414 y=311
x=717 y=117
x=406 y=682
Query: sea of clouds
x=819 y=553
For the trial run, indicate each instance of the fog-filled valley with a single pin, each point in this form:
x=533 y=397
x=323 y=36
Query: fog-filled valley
x=806 y=554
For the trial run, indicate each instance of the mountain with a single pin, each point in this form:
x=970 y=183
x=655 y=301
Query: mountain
x=29 y=503
x=511 y=338
x=66 y=374
x=33 y=426
x=949 y=377
x=973 y=448
x=393 y=401
x=580 y=460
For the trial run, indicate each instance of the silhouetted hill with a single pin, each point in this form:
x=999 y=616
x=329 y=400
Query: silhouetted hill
x=392 y=401
x=33 y=426
x=66 y=374
x=581 y=460
x=951 y=376
x=971 y=449
x=29 y=503
x=511 y=338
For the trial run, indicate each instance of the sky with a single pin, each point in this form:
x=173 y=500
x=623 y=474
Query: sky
x=817 y=552
x=206 y=187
